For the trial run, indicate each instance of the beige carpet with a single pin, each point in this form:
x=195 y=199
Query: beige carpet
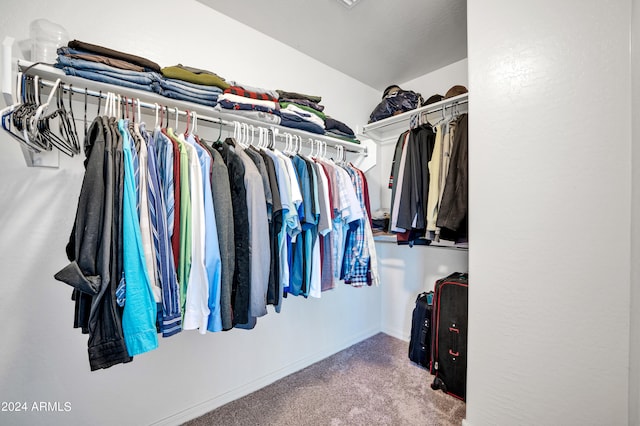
x=370 y=383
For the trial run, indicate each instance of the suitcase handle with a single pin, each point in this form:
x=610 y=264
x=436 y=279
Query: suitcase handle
x=454 y=333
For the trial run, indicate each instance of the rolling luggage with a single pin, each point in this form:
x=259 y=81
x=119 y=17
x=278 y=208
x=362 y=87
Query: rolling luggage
x=420 y=343
x=449 y=342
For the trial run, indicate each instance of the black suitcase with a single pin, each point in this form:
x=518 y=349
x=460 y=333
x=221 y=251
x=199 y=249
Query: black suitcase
x=449 y=342
x=420 y=343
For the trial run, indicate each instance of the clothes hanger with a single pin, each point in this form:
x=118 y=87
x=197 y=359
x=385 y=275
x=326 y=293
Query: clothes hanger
x=64 y=142
x=219 y=139
x=25 y=101
x=195 y=123
x=30 y=129
x=73 y=130
x=272 y=138
x=155 y=110
x=99 y=101
x=311 y=147
x=186 y=131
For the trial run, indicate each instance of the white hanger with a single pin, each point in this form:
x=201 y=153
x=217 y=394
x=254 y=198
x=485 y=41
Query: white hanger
x=194 y=116
x=260 y=137
x=17 y=101
x=157 y=107
x=41 y=109
x=177 y=113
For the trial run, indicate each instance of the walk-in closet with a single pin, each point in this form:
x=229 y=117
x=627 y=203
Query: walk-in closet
x=299 y=310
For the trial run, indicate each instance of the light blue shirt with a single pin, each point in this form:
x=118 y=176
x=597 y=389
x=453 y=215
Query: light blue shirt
x=139 y=316
x=212 y=261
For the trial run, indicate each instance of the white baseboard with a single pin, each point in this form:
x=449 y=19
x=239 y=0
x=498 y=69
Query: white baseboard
x=465 y=422
x=396 y=332
x=258 y=383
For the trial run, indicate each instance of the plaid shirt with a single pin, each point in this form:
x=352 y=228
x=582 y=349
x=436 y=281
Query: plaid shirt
x=355 y=264
x=235 y=90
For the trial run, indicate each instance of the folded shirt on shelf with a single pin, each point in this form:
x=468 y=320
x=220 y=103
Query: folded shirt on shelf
x=242 y=100
x=262 y=116
x=331 y=124
x=339 y=135
x=294 y=112
x=255 y=89
x=104 y=51
x=294 y=95
x=304 y=102
x=291 y=120
x=239 y=91
x=195 y=75
x=298 y=107
x=239 y=106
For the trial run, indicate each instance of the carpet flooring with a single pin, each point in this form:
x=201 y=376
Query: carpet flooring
x=370 y=383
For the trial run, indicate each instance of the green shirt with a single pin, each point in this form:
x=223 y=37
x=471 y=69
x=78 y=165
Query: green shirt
x=184 y=262
x=180 y=73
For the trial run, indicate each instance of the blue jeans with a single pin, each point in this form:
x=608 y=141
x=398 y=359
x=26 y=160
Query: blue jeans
x=133 y=76
x=189 y=98
x=169 y=83
x=169 y=86
x=130 y=83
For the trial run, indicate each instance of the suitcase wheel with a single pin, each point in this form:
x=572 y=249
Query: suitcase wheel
x=438 y=384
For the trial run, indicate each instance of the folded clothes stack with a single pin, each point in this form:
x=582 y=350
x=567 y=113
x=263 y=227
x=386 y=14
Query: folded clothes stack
x=108 y=66
x=180 y=82
x=251 y=102
x=338 y=129
x=306 y=113
x=191 y=84
x=301 y=111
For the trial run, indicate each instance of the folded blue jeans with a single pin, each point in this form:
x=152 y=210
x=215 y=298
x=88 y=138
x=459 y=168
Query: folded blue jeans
x=182 y=97
x=123 y=80
x=133 y=76
x=172 y=83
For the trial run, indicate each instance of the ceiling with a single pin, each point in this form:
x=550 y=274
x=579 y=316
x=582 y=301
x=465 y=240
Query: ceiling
x=377 y=42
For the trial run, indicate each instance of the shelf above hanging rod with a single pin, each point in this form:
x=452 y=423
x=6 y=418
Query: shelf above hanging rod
x=391 y=127
x=48 y=74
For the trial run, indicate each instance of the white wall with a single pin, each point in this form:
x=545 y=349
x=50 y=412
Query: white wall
x=550 y=175
x=634 y=332
x=441 y=80
x=42 y=358
x=406 y=272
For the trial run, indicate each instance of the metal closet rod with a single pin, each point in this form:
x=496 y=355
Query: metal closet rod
x=216 y=120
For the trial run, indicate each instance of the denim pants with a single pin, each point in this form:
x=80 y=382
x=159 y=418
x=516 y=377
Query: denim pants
x=139 y=83
x=172 y=83
x=132 y=76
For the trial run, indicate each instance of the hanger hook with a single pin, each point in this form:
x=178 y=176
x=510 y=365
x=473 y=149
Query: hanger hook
x=195 y=123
